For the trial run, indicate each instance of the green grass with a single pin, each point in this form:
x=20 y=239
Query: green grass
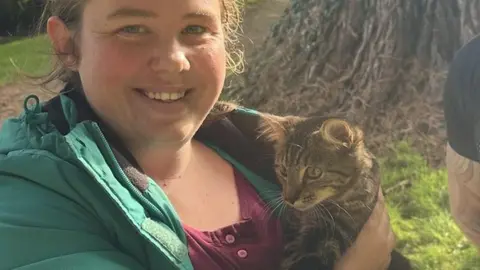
x=420 y=215
x=29 y=55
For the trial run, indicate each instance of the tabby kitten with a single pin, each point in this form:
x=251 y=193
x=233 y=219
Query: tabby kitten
x=330 y=183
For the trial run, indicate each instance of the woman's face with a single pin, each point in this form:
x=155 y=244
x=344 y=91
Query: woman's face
x=152 y=69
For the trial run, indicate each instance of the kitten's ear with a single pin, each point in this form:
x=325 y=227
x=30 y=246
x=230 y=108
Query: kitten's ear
x=341 y=133
x=275 y=128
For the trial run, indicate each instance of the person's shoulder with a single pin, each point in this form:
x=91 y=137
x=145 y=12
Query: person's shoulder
x=466 y=57
x=31 y=148
x=471 y=44
x=31 y=133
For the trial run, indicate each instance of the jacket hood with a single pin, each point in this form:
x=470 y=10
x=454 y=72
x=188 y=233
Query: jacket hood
x=32 y=129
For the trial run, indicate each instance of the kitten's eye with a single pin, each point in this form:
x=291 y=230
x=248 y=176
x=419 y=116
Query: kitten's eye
x=313 y=172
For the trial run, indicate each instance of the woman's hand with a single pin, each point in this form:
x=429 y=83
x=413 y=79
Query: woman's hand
x=374 y=244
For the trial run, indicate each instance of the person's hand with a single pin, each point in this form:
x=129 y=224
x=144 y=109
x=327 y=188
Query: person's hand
x=374 y=244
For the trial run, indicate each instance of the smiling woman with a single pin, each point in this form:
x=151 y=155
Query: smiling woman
x=70 y=11
x=120 y=168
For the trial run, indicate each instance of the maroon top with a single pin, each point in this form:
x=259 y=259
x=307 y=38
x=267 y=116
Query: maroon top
x=253 y=243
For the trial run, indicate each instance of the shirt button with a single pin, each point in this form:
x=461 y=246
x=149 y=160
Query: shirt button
x=230 y=238
x=242 y=253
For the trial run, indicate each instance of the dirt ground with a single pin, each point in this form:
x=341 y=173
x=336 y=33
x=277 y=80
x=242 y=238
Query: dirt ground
x=257 y=21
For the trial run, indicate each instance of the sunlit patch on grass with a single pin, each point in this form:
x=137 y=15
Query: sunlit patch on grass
x=30 y=55
x=420 y=216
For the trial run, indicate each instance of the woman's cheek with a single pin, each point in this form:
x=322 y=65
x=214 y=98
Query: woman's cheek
x=120 y=60
x=213 y=62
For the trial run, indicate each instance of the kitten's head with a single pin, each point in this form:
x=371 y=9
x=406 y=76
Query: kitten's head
x=316 y=158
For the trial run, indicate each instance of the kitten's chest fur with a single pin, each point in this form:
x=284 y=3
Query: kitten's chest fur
x=348 y=215
x=316 y=239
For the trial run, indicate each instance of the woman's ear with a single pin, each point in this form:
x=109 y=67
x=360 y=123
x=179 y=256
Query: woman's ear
x=62 y=41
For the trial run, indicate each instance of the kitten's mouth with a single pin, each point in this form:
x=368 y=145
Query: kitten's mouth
x=311 y=200
x=325 y=193
x=301 y=206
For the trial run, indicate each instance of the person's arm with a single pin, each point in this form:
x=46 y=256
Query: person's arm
x=42 y=229
x=464 y=193
x=373 y=247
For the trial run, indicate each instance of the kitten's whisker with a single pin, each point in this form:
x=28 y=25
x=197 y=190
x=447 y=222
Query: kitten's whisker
x=270 y=204
x=297 y=145
x=269 y=212
x=343 y=209
x=332 y=220
x=324 y=219
x=271 y=207
x=276 y=196
x=265 y=215
x=283 y=209
x=273 y=204
x=319 y=215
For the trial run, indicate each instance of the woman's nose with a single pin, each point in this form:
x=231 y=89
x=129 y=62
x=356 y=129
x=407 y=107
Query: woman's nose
x=169 y=59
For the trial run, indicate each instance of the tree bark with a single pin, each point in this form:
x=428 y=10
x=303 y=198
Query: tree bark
x=470 y=18
x=380 y=63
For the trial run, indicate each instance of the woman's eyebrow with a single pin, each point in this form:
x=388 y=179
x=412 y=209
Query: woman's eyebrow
x=131 y=12
x=201 y=14
x=135 y=12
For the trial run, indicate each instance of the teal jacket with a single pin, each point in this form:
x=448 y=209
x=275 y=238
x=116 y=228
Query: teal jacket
x=66 y=202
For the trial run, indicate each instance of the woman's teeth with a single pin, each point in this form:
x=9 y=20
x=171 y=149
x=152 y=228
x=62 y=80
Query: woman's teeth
x=165 y=96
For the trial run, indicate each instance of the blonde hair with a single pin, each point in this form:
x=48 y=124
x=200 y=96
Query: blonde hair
x=70 y=11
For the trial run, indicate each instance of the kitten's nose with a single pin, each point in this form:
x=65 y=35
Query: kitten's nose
x=291 y=195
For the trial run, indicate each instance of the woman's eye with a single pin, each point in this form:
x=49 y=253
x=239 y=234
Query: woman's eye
x=134 y=29
x=194 y=30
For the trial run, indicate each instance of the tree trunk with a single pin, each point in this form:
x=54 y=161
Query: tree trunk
x=380 y=63
x=470 y=18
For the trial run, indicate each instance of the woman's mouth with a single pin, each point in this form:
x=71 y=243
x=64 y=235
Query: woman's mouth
x=165 y=96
